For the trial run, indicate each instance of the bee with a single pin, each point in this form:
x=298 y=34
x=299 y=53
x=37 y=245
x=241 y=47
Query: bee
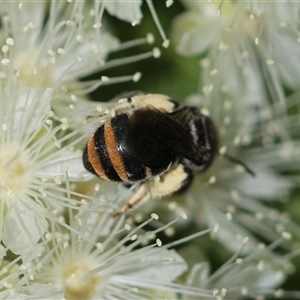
x=153 y=142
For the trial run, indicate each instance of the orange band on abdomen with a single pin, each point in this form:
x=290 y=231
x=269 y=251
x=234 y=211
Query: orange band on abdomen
x=113 y=153
x=94 y=158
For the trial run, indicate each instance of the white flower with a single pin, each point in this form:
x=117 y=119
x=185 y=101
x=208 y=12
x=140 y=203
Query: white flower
x=247 y=45
x=46 y=46
x=58 y=239
x=256 y=276
x=225 y=193
x=55 y=46
x=37 y=158
x=17 y=273
x=48 y=51
x=99 y=257
x=242 y=89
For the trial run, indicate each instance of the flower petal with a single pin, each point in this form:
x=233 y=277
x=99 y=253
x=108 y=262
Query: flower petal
x=39 y=291
x=23 y=227
x=193 y=36
x=65 y=161
x=199 y=274
x=170 y=271
x=126 y=10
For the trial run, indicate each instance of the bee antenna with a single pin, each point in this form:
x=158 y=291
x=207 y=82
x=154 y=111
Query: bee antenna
x=239 y=162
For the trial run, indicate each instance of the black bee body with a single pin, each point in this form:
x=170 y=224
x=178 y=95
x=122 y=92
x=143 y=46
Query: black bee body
x=136 y=146
x=152 y=141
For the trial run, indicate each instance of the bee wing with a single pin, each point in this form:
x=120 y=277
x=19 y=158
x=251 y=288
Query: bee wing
x=166 y=135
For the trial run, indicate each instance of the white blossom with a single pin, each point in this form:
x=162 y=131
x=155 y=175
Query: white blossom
x=55 y=46
x=38 y=157
x=58 y=237
x=247 y=45
x=255 y=276
x=242 y=89
x=98 y=257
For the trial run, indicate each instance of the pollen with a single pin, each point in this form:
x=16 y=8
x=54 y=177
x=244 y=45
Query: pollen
x=14 y=172
x=76 y=285
x=31 y=73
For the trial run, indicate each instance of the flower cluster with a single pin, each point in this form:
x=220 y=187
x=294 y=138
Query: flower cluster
x=58 y=237
x=249 y=87
x=244 y=82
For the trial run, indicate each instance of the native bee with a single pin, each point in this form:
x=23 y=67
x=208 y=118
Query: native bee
x=154 y=142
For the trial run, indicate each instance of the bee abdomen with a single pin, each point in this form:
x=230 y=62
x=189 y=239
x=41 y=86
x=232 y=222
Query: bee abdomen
x=135 y=168
x=106 y=154
x=96 y=157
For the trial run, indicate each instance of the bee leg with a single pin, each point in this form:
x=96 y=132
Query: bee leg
x=174 y=180
x=95 y=117
x=142 y=194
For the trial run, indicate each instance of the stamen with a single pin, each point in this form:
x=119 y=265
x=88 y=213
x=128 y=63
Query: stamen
x=157 y=22
x=149 y=39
